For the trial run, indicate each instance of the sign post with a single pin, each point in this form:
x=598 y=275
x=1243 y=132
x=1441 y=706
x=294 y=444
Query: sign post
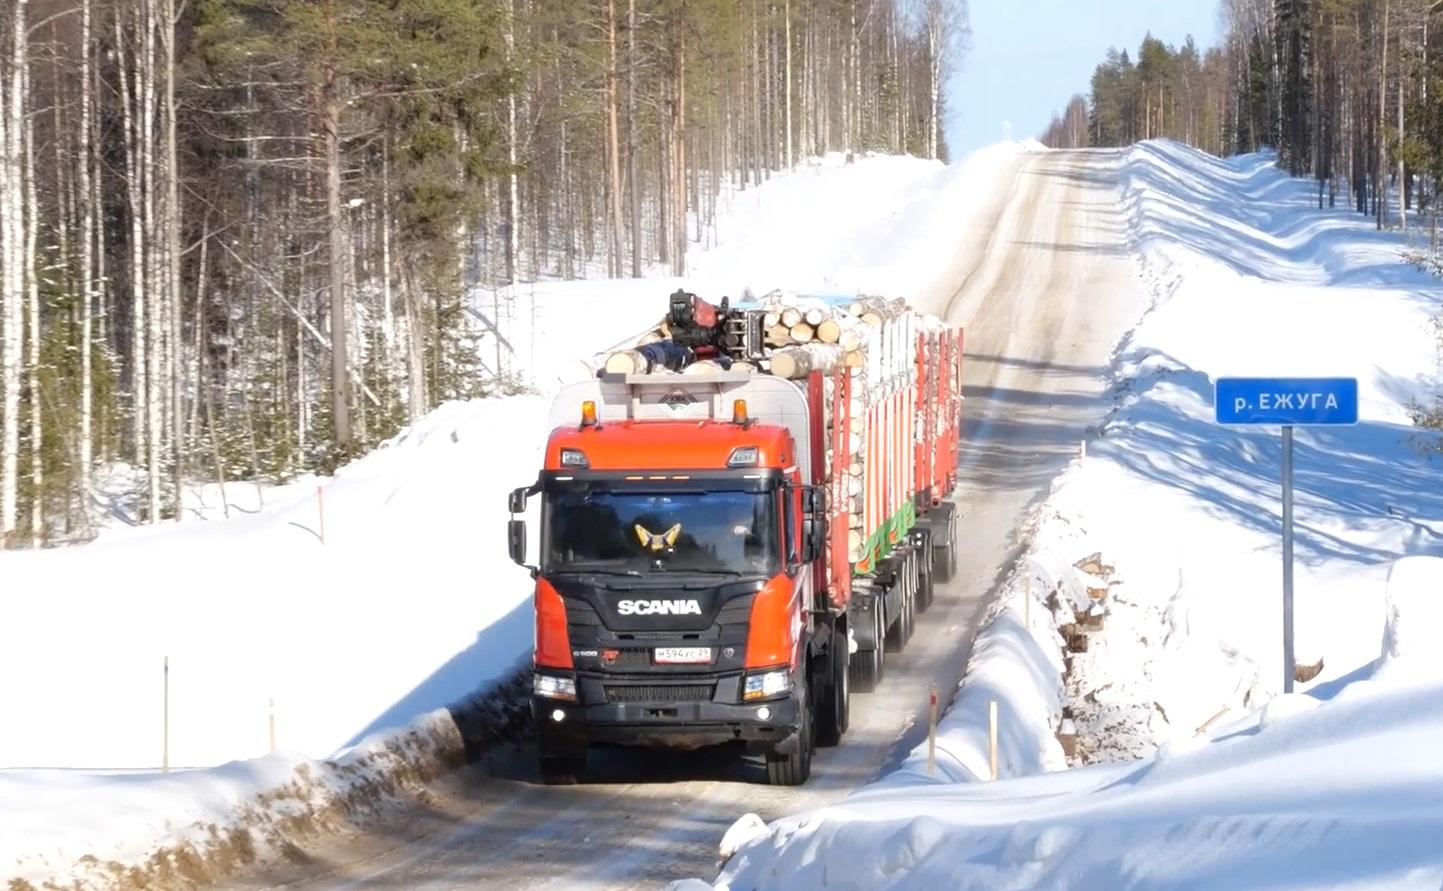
x=1286 y=403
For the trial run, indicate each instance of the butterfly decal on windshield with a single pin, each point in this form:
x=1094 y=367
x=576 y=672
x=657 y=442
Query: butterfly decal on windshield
x=657 y=542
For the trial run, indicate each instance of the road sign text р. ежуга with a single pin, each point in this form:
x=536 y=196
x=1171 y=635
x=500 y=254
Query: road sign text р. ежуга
x=1286 y=401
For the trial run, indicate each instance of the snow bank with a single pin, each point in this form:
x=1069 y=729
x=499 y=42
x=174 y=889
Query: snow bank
x=1334 y=786
x=1348 y=794
x=410 y=604
x=143 y=830
x=1414 y=616
x=1017 y=662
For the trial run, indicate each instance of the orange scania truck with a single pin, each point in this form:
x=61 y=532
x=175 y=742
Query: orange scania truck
x=724 y=551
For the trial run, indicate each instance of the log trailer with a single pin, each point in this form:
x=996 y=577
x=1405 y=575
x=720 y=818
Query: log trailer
x=737 y=527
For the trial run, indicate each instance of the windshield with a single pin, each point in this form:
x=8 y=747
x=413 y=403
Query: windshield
x=638 y=531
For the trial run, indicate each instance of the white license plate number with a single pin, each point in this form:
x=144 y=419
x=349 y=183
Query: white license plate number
x=683 y=655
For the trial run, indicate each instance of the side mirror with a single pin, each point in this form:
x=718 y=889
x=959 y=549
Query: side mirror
x=517 y=501
x=816 y=537
x=814 y=499
x=516 y=541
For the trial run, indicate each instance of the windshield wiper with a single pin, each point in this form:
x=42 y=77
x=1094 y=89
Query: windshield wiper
x=735 y=573
x=581 y=570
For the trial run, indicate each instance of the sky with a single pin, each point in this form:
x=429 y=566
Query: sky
x=1028 y=57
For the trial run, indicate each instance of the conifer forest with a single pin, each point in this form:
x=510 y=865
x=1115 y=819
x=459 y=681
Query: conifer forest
x=248 y=239
x=1346 y=92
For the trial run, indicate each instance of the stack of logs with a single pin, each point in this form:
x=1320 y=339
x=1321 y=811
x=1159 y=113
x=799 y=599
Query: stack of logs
x=874 y=338
x=801 y=336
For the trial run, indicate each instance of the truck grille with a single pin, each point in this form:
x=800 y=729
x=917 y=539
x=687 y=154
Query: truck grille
x=660 y=692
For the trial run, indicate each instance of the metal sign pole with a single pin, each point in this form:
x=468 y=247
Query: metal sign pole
x=1286 y=403
x=1288 y=669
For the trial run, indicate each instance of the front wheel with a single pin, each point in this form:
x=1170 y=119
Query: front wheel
x=562 y=762
x=794 y=768
x=835 y=712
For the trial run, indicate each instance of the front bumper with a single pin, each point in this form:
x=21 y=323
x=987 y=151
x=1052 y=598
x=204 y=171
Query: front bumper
x=760 y=725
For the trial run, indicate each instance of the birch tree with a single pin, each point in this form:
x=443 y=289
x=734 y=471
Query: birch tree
x=13 y=281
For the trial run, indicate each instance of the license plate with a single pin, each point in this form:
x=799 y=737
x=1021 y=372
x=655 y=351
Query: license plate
x=682 y=655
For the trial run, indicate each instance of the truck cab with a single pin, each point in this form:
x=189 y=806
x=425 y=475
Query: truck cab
x=679 y=573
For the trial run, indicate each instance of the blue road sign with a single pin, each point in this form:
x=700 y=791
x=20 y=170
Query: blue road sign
x=1287 y=401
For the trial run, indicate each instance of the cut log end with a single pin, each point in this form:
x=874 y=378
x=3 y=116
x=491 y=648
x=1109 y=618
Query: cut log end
x=622 y=363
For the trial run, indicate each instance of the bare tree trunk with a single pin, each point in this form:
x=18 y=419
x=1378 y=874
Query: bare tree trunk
x=130 y=88
x=854 y=87
x=1380 y=182
x=340 y=373
x=787 y=35
x=415 y=349
x=388 y=320
x=87 y=262
x=31 y=219
x=513 y=209
x=680 y=179
x=633 y=187
x=1402 y=172
x=172 y=251
x=155 y=316
x=12 y=121
x=613 y=139
x=935 y=36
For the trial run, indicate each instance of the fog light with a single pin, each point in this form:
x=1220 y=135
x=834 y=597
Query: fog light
x=558 y=716
x=764 y=713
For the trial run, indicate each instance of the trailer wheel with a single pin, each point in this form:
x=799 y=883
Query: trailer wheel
x=870 y=665
x=945 y=561
x=901 y=632
x=925 y=568
x=835 y=706
x=909 y=608
x=793 y=768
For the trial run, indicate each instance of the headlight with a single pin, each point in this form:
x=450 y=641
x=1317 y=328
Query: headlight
x=767 y=684
x=553 y=687
x=743 y=456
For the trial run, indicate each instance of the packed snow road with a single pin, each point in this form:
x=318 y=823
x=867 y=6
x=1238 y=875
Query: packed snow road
x=1043 y=283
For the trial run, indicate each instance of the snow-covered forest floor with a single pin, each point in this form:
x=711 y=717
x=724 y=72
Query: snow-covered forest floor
x=1197 y=771
x=345 y=614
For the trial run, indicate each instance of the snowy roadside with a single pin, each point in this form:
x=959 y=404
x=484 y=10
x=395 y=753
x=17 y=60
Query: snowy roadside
x=357 y=641
x=80 y=831
x=1167 y=534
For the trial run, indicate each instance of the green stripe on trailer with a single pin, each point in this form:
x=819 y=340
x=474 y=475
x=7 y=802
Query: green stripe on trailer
x=880 y=544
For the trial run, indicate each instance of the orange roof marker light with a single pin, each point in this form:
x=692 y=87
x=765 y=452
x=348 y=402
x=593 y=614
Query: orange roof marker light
x=739 y=412
x=588 y=413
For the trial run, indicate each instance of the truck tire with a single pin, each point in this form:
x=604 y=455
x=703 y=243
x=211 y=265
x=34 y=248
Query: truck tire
x=925 y=558
x=871 y=665
x=901 y=630
x=945 y=562
x=562 y=762
x=914 y=584
x=793 y=768
x=834 y=710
